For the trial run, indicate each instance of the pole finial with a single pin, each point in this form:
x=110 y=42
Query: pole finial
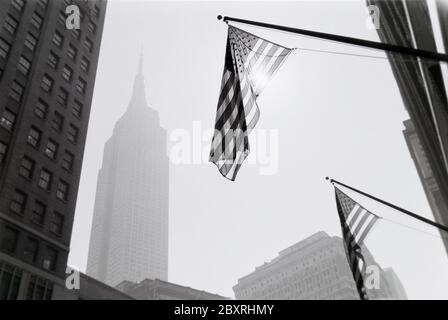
x=219 y=17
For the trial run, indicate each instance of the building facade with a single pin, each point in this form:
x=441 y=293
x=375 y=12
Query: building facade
x=420 y=81
x=89 y=289
x=432 y=190
x=313 y=269
x=162 y=290
x=47 y=75
x=129 y=238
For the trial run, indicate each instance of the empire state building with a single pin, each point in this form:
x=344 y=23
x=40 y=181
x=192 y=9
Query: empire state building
x=129 y=238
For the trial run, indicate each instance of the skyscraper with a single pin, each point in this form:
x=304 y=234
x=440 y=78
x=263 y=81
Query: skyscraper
x=315 y=268
x=129 y=239
x=433 y=192
x=420 y=81
x=47 y=75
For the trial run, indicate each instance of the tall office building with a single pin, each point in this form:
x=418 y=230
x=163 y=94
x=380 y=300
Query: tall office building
x=433 y=192
x=313 y=269
x=420 y=81
x=47 y=76
x=129 y=239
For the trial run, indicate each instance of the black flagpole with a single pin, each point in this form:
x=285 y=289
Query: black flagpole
x=353 y=41
x=407 y=212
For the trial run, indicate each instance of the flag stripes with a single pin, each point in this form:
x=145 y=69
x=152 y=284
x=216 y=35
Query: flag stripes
x=356 y=223
x=250 y=63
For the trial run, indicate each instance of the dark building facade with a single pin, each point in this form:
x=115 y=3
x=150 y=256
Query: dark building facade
x=420 y=81
x=433 y=193
x=162 y=290
x=47 y=75
x=90 y=289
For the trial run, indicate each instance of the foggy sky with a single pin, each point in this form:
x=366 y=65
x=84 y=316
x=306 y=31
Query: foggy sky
x=335 y=115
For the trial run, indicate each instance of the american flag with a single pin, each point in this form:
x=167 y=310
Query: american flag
x=356 y=223
x=249 y=64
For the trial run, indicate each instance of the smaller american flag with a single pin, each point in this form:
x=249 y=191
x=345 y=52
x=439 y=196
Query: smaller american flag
x=356 y=223
x=249 y=64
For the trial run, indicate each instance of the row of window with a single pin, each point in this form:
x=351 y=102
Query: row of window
x=58 y=40
x=30 y=249
x=48 y=82
x=10 y=279
x=53 y=59
x=8 y=120
x=39 y=213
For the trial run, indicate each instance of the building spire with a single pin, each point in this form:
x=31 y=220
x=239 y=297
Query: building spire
x=138 y=99
x=140 y=63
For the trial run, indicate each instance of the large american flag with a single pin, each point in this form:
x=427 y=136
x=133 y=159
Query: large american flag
x=356 y=223
x=249 y=64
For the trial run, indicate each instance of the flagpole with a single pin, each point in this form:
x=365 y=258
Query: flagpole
x=407 y=212
x=343 y=39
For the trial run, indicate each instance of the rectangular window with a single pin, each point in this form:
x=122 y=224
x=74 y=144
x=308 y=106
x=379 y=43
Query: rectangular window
x=77 y=109
x=51 y=149
x=88 y=44
x=53 y=60
x=58 y=39
x=30 y=42
x=16 y=91
x=76 y=33
x=72 y=133
x=91 y=27
x=34 y=137
x=61 y=18
x=67 y=73
x=9 y=239
x=45 y=179
x=11 y=24
x=72 y=52
x=30 y=250
x=62 y=191
x=39 y=289
x=24 y=65
x=8 y=120
x=67 y=161
x=18 y=202
x=81 y=85
x=85 y=65
x=47 y=83
x=49 y=262
x=41 y=109
x=43 y=3
x=3 y=150
x=58 y=122
x=62 y=97
x=37 y=20
x=4 y=48
x=96 y=11
x=38 y=215
x=18 y=5
x=57 y=223
x=26 y=167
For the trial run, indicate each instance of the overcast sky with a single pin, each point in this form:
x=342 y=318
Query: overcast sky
x=335 y=115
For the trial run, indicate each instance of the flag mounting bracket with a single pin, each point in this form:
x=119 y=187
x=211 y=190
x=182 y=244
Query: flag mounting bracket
x=343 y=39
x=407 y=212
